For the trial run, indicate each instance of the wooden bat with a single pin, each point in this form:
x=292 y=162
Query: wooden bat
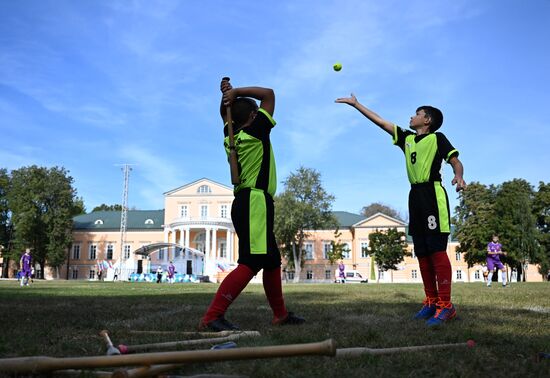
x=38 y=364
x=124 y=349
x=233 y=161
x=187 y=333
x=111 y=350
x=354 y=352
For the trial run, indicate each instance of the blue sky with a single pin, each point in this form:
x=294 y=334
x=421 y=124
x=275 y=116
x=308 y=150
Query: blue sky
x=91 y=84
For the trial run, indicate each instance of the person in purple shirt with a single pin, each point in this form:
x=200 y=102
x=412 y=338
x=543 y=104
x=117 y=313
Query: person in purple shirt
x=26 y=268
x=342 y=272
x=171 y=271
x=494 y=251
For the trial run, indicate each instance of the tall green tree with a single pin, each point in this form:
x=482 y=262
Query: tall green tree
x=303 y=205
x=541 y=210
x=105 y=207
x=516 y=224
x=337 y=248
x=42 y=202
x=377 y=207
x=389 y=248
x=5 y=223
x=474 y=221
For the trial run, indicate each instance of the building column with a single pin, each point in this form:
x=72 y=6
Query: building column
x=187 y=232
x=228 y=246
x=214 y=243
x=207 y=243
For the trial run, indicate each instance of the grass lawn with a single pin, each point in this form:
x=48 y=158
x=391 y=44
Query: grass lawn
x=510 y=325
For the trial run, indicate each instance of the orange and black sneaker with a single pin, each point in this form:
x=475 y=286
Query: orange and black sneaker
x=428 y=308
x=290 y=318
x=445 y=312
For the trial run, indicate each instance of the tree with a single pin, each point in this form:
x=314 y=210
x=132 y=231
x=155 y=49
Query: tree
x=337 y=248
x=516 y=224
x=475 y=222
x=42 y=202
x=5 y=224
x=104 y=207
x=541 y=210
x=388 y=247
x=304 y=205
x=377 y=207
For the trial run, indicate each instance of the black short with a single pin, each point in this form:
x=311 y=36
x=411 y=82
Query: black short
x=253 y=216
x=425 y=245
x=429 y=209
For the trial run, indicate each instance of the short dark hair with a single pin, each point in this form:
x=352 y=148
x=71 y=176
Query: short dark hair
x=435 y=115
x=241 y=109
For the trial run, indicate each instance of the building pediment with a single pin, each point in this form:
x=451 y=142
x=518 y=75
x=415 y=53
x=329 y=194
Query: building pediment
x=380 y=220
x=202 y=187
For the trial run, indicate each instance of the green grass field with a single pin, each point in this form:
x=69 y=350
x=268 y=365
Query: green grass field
x=62 y=319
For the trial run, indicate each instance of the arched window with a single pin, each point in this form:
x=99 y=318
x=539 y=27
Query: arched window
x=98 y=221
x=149 y=221
x=204 y=189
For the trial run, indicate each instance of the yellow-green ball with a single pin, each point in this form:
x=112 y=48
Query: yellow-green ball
x=337 y=66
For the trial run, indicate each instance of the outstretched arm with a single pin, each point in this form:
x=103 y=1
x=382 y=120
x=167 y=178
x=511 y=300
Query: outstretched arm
x=266 y=96
x=387 y=126
x=458 y=169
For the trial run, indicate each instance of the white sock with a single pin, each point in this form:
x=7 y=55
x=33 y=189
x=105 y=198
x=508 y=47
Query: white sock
x=489 y=278
x=504 y=277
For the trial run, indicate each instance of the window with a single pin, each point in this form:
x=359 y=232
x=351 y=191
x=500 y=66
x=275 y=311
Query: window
x=223 y=251
x=204 y=189
x=414 y=274
x=92 y=274
x=76 y=252
x=74 y=275
x=204 y=211
x=477 y=276
x=183 y=211
x=98 y=222
x=459 y=274
x=110 y=249
x=346 y=253
x=223 y=211
x=92 y=255
x=458 y=256
x=308 y=247
x=381 y=274
x=364 y=249
x=127 y=250
x=328 y=274
x=290 y=275
x=149 y=221
x=161 y=254
x=309 y=275
x=327 y=248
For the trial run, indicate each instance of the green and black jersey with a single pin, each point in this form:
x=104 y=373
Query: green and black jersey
x=255 y=154
x=428 y=201
x=423 y=154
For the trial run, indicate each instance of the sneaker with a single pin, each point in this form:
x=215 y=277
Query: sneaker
x=218 y=325
x=428 y=309
x=290 y=318
x=445 y=312
x=489 y=285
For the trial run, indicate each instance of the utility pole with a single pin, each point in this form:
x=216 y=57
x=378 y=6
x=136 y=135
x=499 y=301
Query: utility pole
x=124 y=215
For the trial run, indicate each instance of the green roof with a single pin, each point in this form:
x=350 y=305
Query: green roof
x=346 y=219
x=110 y=220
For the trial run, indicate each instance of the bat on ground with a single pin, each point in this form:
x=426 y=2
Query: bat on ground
x=354 y=352
x=39 y=364
x=111 y=350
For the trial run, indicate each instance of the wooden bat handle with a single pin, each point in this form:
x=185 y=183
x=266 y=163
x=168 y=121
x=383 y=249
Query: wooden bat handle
x=233 y=160
x=106 y=337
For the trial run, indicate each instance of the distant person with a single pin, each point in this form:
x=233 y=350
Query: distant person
x=425 y=149
x=171 y=272
x=485 y=272
x=252 y=211
x=159 y=274
x=494 y=251
x=115 y=276
x=26 y=267
x=342 y=272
